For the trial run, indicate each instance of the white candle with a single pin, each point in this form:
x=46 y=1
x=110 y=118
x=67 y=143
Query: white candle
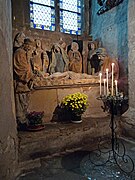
x=107 y=81
x=104 y=87
x=112 y=76
x=100 y=76
x=116 y=87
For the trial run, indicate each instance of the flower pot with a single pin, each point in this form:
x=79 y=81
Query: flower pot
x=36 y=127
x=76 y=118
x=76 y=122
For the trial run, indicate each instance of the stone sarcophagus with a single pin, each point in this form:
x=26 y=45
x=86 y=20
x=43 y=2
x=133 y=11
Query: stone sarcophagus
x=48 y=95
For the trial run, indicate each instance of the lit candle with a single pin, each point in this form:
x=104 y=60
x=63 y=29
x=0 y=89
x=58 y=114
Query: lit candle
x=104 y=87
x=112 y=76
x=100 y=75
x=107 y=81
x=116 y=87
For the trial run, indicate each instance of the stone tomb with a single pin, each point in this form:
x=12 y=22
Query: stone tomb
x=47 y=98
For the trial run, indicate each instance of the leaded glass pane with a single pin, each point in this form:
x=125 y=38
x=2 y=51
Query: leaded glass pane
x=44 y=2
x=42 y=17
x=69 y=5
x=72 y=5
x=70 y=22
x=70 y=16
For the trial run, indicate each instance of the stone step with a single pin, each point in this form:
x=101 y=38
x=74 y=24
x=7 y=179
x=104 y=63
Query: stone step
x=62 y=137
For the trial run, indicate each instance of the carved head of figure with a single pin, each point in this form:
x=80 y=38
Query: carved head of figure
x=38 y=43
x=56 y=48
x=62 y=44
x=93 y=45
x=102 y=54
x=74 y=46
x=29 y=44
x=19 y=39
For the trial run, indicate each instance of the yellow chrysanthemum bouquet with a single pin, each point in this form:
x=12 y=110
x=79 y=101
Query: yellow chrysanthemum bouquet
x=76 y=103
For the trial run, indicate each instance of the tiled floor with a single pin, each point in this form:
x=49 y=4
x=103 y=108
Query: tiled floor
x=78 y=166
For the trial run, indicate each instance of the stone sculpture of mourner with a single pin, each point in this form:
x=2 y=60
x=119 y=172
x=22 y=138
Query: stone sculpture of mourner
x=18 y=41
x=93 y=60
x=106 y=63
x=23 y=78
x=75 y=58
x=40 y=58
x=59 y=61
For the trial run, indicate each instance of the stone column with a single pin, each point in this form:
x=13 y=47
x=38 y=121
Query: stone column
x=8 y=133
x=128 y=122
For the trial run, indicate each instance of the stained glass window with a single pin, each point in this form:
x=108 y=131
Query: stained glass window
x=42 y=14
x=70 y=16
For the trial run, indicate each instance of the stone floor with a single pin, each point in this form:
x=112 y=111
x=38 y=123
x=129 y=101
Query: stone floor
x=78 y=166
x=66 y=151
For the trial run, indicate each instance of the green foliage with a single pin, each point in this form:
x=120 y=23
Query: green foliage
x=35 y=118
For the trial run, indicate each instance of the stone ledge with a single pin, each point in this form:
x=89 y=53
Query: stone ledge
x=62 y=137
x=67 y=86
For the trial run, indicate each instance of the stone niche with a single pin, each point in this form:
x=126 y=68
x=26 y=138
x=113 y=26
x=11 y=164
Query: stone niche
x=47 y=98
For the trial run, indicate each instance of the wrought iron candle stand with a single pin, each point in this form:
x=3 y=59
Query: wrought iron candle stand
x=117 y=153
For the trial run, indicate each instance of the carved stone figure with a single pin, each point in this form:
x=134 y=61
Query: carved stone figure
x=59 y=60
x=45 y=62
x=106 y=63
x=65 y=78
x=23 y=78
x=18 y=41
x=40 y=59
x=75 y=58
x=93 y=60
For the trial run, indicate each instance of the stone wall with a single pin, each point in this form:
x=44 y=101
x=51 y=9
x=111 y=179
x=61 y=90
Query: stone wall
x=128 y=123
x=111 y=28
x=131 y=53
x=116 y=30
x=8 y=134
